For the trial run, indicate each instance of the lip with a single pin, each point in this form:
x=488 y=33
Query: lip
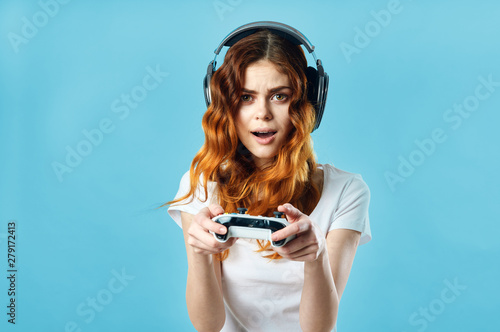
x=264 y=140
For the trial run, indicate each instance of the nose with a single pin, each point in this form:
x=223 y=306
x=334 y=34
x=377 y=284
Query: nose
x=263 y=110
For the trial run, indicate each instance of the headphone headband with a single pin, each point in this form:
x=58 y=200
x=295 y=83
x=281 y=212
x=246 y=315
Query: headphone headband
x=286 y=31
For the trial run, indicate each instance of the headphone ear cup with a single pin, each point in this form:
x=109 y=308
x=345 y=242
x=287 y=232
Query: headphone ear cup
x=312 y=92
x=322 y=93
x=206 y=89
x=206 y=83
x=312 y=85
x=317 y=89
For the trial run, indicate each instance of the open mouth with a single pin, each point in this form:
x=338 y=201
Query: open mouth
x=263 y=134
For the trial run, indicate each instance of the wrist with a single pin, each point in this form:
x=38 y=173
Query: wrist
x=320 y=262
x=200 y=260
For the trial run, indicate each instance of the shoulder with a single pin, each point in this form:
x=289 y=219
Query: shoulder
x=186 y=182
x=189 y=191
x=348 y=198
x=197 y=199
x=343 y=181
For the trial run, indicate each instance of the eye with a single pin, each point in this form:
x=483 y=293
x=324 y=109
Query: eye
x=246 y=98
x=280 y=97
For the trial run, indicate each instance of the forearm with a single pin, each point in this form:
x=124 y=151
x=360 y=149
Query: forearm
x=203 y=294
x=319 y=302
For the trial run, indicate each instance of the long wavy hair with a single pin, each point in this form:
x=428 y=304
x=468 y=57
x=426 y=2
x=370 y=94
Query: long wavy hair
x=225 y=161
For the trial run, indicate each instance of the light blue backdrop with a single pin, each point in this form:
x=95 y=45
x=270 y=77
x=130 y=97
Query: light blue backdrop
x=413 y=106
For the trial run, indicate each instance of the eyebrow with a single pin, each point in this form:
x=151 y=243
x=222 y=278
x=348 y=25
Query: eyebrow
x=276 y=89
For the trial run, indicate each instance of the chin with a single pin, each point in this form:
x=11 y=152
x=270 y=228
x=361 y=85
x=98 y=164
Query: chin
x=264 y=158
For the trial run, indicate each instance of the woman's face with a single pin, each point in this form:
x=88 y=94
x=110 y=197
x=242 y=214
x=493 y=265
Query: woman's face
x=262 y=120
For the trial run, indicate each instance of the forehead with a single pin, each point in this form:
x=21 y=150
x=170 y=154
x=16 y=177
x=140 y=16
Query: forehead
x=265 y=75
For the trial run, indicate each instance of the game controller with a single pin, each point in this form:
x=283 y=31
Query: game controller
x=251 y=227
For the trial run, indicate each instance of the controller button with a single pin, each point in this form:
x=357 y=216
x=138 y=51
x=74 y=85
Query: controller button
x=242 y=210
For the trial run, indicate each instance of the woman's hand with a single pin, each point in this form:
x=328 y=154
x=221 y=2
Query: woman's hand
x=199 y=237
x=310 y=242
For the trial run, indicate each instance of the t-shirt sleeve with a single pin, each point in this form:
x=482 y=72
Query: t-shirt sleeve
x=352 y=210
x=189 y=205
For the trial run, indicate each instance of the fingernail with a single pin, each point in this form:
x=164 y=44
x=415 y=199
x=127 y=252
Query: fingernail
x=222 y=230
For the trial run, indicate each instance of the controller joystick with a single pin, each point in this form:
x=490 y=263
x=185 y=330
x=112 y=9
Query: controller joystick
x=242 y=210
x=278 y=214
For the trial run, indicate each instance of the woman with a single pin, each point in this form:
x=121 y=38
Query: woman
x=258 y=154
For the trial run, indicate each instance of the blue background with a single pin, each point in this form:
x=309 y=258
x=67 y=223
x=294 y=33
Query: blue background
x=434 y=227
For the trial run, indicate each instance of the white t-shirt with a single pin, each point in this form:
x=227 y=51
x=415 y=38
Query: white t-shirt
x=264 y=295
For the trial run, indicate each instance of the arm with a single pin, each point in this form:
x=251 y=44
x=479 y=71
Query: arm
x=342 y=245
x=326 y=277
x=319 y=301
x=327 y=264
x=204 y=296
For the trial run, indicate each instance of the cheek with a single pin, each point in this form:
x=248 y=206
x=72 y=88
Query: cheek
x=240 y=124
x=286 y=123
x=289 y=128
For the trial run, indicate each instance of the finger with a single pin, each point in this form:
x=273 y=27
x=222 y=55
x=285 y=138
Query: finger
x=292 y=247
x=307 y=257
x=203 y=218
x=200 y=233
x=305 y=253
x=207 y=242
x=202 y=248
x=292 y=213
x=292 y=229
x=215 y=210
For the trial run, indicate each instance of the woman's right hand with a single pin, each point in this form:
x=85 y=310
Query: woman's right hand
x=199 y=236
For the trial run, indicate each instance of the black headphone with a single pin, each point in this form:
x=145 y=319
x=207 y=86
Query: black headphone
x=318 y=79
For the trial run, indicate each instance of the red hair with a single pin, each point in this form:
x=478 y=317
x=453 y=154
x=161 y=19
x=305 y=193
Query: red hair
x=225 y=161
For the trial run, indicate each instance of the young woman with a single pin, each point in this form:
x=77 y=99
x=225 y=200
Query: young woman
x=258 y=154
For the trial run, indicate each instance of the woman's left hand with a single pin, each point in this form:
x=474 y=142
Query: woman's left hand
x=310 y=242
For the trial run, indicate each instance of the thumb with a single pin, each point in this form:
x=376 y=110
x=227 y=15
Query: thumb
x=292 y=213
